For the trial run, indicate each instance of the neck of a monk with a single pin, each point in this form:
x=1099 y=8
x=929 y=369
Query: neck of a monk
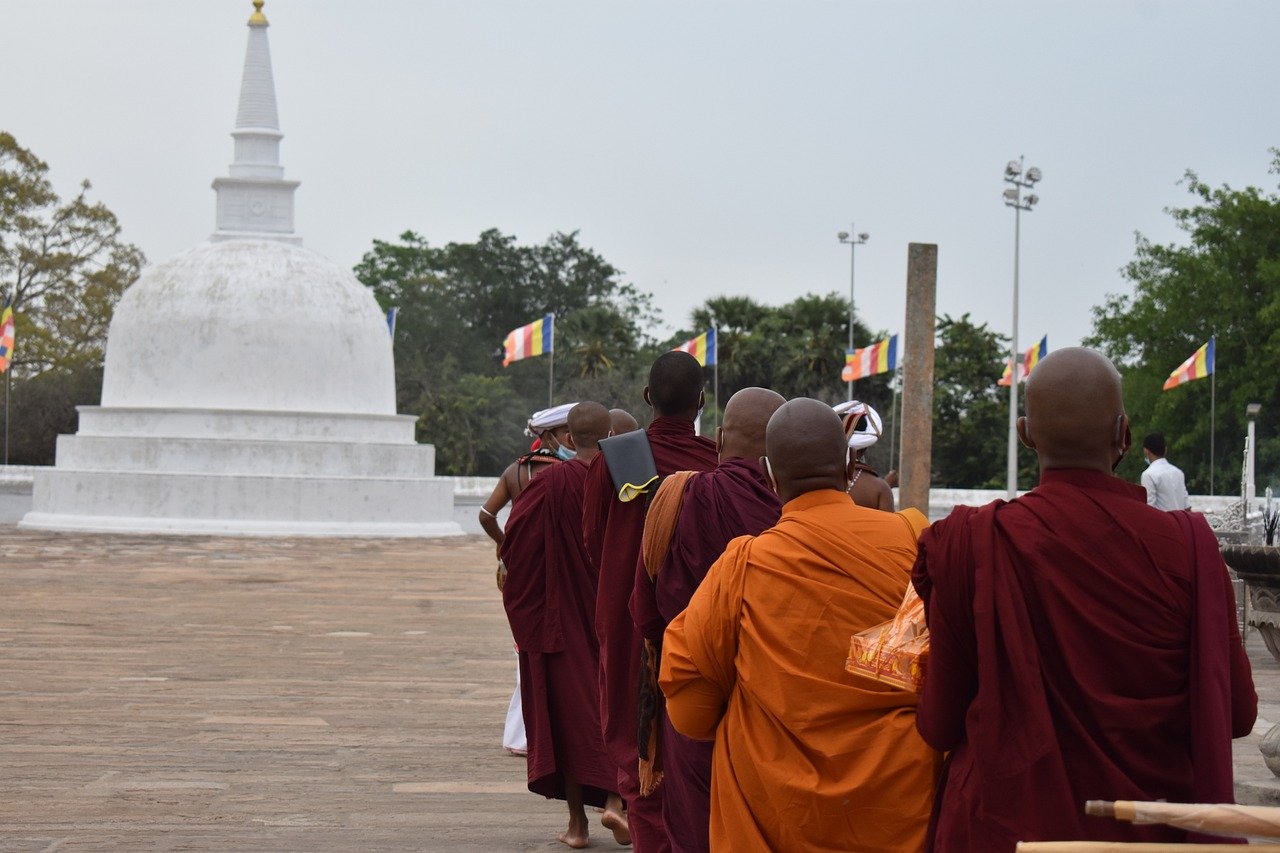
x=586 y=454
x=789 y=490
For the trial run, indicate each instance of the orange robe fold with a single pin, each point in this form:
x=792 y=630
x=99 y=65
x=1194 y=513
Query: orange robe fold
x=807 y=757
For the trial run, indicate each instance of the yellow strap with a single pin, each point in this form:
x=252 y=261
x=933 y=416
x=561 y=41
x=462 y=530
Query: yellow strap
x=630 y=491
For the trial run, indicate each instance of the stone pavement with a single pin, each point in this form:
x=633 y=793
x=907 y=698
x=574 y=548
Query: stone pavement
x=246 y=694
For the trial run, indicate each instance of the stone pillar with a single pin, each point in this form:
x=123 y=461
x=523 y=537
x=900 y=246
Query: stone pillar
x=917 y=376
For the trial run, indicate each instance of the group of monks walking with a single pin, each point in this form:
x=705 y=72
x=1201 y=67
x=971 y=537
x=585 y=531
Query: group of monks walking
x=682 y=633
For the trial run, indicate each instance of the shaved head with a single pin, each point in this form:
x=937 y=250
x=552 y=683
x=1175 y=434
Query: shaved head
x=622 y=421
x=806 y=448
x=746 y=416
x=675 y=386
x=588 y=423
x=1075 y=411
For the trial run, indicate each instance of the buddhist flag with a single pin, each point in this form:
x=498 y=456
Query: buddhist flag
x=703 y=347
x=392 y=313
x=528 y=341
x=1029 y=359
x=1198 y=366
x=880 y=357
x=6 y=334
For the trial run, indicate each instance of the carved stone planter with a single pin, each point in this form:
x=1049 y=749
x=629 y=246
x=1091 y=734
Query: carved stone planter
x=1259 y=567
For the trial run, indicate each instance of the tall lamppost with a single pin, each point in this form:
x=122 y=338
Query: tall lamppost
x=854 y=242
x=1013 y=197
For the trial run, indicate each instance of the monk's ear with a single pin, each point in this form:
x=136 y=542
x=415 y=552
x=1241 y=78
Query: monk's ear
x=647 y=401
x=1024 y=433
x=719 y=440
x=570 y=443
x=1123 y=439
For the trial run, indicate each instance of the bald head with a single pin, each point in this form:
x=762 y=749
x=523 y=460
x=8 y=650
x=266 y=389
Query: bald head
x=588 y=423
x=806 y=447
x=745 y=417
x=675 y=386
x=622 y=421
x=1075 y=411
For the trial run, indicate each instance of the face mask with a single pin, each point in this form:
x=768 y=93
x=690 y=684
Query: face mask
x=565 y=453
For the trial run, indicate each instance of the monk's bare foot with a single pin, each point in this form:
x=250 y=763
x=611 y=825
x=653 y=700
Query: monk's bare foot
x=616 y=822
x=573 y=840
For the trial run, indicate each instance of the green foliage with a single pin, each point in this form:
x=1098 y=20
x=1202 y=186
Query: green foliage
x=797 y=349
x=458 y=302
x=44 y=407
x=1226 y=280
x=64 y=261
x=970 y=412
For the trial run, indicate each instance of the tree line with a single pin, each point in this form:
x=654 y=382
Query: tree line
x=68 y=265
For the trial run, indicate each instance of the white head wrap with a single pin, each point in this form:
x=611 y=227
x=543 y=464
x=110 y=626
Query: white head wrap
x=868 y=430
x=556 y=416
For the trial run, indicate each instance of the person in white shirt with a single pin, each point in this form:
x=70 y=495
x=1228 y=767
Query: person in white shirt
x=1165 y=485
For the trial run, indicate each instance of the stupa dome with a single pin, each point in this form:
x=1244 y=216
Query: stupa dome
x=249 y=324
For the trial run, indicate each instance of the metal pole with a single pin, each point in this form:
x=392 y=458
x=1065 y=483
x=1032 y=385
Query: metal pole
x=715 y=382
x=893 y=422
x=8 y=387
x=853 y=253
x=1213 y=419
x=1013 y=358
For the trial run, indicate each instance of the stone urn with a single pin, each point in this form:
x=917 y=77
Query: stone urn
x=1259 y=567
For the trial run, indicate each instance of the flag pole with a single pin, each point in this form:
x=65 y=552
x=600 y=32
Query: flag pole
x=715 y=387
x=551 y=372
x=8 y=387
x=893 y=421
x=8 y=373
x=1213 y=409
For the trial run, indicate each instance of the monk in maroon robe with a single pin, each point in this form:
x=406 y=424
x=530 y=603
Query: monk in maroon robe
x=612 y=531
x=716 y=506
x=1083 y=644
x=550 y=598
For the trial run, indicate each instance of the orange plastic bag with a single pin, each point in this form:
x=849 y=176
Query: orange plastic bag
x=896 y=652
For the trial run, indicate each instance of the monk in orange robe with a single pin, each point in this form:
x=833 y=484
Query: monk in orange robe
x=550 y=600
x=1083 y=644
x=714 y=508
x=612 y=531
x=807 y=756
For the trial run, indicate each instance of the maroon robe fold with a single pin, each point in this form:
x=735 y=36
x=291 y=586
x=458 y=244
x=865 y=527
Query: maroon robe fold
x=550 y=598
x=731 y=501
x=612 y=531
x=1082 y=648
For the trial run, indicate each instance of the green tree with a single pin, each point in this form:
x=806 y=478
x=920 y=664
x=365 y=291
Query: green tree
x=1224 y=281
x=458 y=302
x=970 y=412
x=64 y=262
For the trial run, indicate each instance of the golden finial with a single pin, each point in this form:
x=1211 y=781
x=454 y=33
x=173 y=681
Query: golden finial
x=257 y=19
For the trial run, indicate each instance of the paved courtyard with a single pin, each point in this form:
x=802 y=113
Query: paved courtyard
x=242 y=694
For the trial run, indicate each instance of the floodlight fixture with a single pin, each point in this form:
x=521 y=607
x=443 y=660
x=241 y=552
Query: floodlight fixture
x=843 y=235
x=1011 y=196
x=1013 y=169
x=1033 y=175
x=1031 y=200
x=862 y=237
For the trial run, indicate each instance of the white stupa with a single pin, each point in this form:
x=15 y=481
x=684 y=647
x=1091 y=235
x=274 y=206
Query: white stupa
x=249 y=385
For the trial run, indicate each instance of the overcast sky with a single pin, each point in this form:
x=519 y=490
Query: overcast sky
x=704 y=148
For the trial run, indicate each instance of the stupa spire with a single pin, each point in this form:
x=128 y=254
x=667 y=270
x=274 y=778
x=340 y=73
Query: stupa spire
x=256 y=201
